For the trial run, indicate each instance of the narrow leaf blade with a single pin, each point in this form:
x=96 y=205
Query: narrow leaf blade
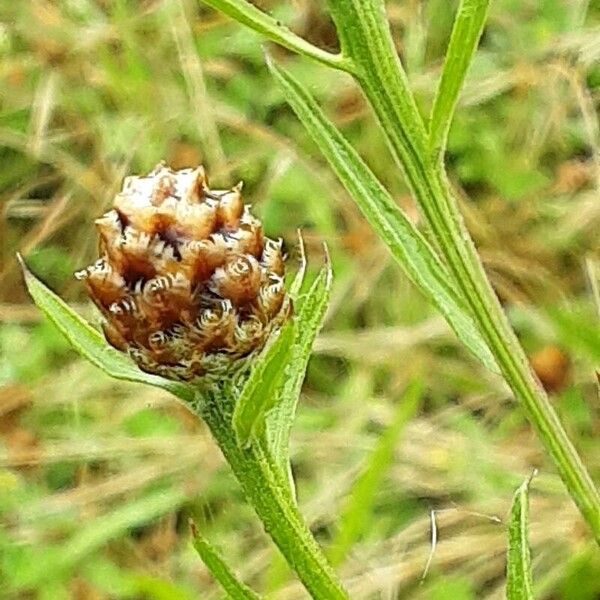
x=466 y=32
x=221 y=571
x=407 y=244
x=247 y=14
x=260 y=391
x=309 y=320
x=519 y=582
x=90 y=343
x=355 y=519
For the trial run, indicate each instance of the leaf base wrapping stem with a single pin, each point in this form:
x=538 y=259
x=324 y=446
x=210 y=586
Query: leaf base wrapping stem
x=267 y=490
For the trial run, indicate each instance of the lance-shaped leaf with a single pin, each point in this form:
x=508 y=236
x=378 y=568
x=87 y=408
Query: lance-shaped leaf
x=519 y=582
x=466 y=32
x=221 y=571
x=90 y=343
x=407 y=244
x=261 y=389
x=311 y=309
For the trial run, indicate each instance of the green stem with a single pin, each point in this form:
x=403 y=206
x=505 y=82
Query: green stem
x=366 y=40
x=247 y=14
x=267 y=490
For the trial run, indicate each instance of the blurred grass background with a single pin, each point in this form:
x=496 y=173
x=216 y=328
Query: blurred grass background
x=98 y=478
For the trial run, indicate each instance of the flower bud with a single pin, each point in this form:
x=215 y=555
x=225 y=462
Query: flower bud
x=186 y=282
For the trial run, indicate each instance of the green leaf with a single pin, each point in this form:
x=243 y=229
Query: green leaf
x=366 y=38
x=260 y=391
x=91 y=344
x=266 y=490
x=221 y=571
x=407 y=244
x=356 y=517
x=247 y=14
x=466 y=32
x=519 y=583
x=309 y=319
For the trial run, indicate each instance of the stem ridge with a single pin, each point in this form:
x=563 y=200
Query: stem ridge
x=267 y=490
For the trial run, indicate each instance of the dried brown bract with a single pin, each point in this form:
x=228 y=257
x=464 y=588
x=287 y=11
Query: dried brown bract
x=186 y=280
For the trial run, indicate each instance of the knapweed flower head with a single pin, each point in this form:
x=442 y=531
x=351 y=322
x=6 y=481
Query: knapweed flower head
x=187 y=282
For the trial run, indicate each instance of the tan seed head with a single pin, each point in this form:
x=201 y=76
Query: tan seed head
x=186 y=280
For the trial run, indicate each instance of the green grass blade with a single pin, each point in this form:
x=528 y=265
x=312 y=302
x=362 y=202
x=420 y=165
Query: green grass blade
x=132 y=514
x=90 y=343
x=466 y=32
x=309 y=319
x=247 y=14
x=519 y=583
x=221 y=571
x=60 y=559
x=260 y=391
x=406 y=243
x=355 y=519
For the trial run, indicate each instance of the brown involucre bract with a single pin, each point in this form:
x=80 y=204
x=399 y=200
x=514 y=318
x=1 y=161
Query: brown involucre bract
x=186 y=280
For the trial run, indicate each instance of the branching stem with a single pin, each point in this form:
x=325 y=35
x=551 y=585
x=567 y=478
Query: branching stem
x=366 y=39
